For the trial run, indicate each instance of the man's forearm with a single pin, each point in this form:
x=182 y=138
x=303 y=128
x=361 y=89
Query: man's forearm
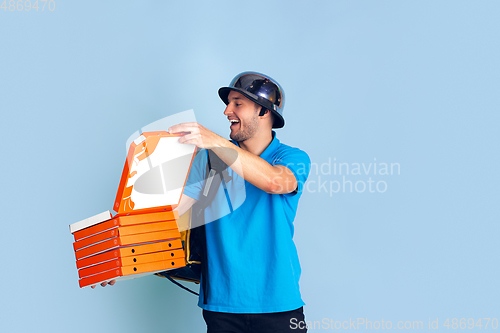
x=184 y=205
x=272 y=179
x=255 y=170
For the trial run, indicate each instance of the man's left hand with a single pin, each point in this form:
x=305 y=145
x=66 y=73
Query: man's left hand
x=197 y=135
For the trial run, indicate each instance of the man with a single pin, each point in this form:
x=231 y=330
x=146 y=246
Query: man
x=253 y=266
x=253 y=280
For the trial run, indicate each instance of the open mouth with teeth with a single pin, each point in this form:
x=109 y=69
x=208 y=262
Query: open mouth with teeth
x=234 y=123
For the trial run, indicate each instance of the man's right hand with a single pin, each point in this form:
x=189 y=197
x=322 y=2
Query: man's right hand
x=105 y=283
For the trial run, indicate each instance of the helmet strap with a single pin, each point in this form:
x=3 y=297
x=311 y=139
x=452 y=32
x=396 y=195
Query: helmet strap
x=262 y=111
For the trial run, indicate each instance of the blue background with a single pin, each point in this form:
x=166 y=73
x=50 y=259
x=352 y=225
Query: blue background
x=408 y=82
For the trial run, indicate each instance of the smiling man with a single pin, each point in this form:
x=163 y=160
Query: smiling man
x=254 y=270
x=252 y=284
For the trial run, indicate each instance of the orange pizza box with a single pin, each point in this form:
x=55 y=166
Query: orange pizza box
x=90 y=221
x=125 y=231
x=151 y=185
x=129 y=251
x=133 y=271
x=125 y=221
x=154 y=175
x=118 y=241
x=131 y=261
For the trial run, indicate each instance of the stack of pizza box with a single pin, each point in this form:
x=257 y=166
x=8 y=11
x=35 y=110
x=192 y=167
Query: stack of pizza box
x=143 y=238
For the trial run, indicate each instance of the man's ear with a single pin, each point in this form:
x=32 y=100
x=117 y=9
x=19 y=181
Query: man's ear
x=263 y=111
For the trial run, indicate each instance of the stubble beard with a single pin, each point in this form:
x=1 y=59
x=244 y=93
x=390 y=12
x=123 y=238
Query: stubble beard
x=248 y=131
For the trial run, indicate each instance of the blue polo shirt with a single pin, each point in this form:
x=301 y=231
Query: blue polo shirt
x=252 y=260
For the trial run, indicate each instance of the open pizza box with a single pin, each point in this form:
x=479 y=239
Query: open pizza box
x=143 y=237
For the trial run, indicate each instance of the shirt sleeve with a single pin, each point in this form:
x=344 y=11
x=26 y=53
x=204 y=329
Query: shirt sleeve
x=196 y=177
x=298 y=162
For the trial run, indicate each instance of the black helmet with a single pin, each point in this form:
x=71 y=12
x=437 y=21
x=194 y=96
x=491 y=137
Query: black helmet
x=260 y=89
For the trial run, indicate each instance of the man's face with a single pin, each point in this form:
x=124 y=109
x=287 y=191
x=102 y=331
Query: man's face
x=243 y=115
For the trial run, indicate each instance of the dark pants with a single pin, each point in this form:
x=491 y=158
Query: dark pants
x=277 y=322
